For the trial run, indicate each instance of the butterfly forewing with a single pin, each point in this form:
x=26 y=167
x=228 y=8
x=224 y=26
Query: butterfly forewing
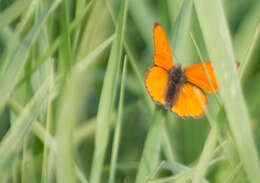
x=156 y=83
x=163 y=55
x=191 y=102
x=197 y=75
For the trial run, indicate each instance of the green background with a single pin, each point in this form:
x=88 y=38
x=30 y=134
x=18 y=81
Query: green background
x=73 y=104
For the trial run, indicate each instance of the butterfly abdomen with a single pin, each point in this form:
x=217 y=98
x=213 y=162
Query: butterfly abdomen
x=176 y=79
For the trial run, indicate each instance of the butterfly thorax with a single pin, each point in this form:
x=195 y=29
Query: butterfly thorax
x=176 y=79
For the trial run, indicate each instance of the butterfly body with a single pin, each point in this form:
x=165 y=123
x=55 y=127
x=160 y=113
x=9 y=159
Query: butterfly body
x=182 y=90
x=176 y=79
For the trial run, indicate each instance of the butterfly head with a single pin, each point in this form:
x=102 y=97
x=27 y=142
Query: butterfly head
x=177 y=75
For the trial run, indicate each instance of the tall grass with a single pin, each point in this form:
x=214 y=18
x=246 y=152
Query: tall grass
x=69 y=113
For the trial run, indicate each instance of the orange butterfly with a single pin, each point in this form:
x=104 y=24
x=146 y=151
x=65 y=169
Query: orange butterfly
x=181 y=90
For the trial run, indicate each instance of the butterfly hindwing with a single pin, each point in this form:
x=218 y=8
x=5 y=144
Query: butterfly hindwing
x=156 y=83
x=197 y=75
x=163 y=55
x=190 y=102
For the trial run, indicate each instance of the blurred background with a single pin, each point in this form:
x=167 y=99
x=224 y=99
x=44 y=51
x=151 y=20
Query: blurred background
x=54 y=58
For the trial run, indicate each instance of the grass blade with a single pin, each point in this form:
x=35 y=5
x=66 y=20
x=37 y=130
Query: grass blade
x=21 y=127
x=117 y=133
x=151 y=152
x=206 y=155
x=144 y=19
x=246 y=31
x=44 y=136
x=107 y=98
x=12 y=74
x=65 y=60
x=66 y=120
x=85 y=62
x=216 y=34
x=13 y=12
x=133 y=64
x=247 y=64
x=67 y=116
x=181 y=28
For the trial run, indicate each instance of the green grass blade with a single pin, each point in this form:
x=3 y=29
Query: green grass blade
x=247 y=64
x=21 y=127
x=167 y=144
x=107 y=96
x=144 y=20
x=245 y=43
x=118 y=127
x=216 y=34
x=85 y=62
x=12 y=12
x=66 y=119
x=48 y=153
x=54 y=46
x=152 y=148
x=206 y=155
x=179 y=170
x=26 y=17
x=65 y=60
x=181 y=29
x=246 y=31
x=67 y=115
x=174 y=10
x=133 y=62
x=19 y=57
x=182 y=177
x=37 y=128
x=139 y=77
x=45 y=137
x=80 y=175
x=76 y=34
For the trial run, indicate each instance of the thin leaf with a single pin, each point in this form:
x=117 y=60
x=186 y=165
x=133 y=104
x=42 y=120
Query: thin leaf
x=118 y=127
x=107 y=98
x=11 y=143
x=181 y=28
x=15 y=66
x=152 y=149
x=206 y=155
x=219 y=46
x=12 y=12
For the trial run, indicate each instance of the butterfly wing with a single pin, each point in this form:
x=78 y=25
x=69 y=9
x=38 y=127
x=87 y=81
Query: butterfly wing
x=197 y=75
x=163 y=55
x=191 y=102
x=156 y=83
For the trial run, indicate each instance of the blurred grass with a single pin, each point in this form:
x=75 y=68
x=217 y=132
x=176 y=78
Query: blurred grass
x=231 y=93
x=118 y=127
x=151 y=153
x=60 y=101
x=107 y=98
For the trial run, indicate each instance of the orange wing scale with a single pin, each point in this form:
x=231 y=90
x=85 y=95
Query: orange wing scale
x=163 y=55
x=197 y=75
x=156 y=83
x=190 y=102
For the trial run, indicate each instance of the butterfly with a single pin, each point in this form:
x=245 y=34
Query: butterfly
x=182 y=90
